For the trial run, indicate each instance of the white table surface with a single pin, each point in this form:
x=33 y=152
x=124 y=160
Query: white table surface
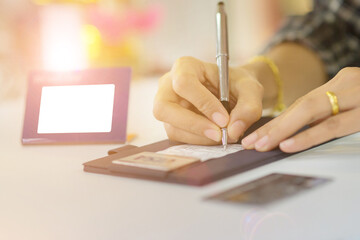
x=45 y=194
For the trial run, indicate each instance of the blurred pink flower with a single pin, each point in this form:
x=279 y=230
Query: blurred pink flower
x=113 y=26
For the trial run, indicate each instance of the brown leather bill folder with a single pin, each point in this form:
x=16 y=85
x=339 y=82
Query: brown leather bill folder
x=196 y=174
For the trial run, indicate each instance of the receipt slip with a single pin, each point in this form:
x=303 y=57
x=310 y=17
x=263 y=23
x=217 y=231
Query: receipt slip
x=150 y=162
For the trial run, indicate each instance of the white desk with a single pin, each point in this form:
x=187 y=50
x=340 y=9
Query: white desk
x=44 y=193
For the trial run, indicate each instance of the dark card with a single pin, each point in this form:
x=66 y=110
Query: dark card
x=269 y=189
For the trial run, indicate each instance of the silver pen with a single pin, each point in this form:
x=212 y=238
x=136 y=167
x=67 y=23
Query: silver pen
x=222 y=60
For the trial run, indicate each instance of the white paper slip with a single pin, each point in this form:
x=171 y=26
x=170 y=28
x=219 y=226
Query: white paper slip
x=202 y=152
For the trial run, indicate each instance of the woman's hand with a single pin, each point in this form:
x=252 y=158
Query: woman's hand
x=187 y=102
x=313 y=109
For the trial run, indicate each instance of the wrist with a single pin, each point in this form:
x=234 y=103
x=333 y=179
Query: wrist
x=263 y=73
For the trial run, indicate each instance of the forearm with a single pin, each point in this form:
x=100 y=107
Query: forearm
x=301 y=70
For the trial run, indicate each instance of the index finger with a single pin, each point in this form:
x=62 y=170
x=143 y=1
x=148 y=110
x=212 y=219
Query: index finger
x=306 y=110
x=189 y=76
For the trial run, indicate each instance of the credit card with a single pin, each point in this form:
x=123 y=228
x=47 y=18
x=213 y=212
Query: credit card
x=269 y=188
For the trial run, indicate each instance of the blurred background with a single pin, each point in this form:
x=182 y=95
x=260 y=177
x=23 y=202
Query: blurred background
x=149 y=36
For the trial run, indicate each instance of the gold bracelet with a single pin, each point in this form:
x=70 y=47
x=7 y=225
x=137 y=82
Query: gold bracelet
x=280 y=106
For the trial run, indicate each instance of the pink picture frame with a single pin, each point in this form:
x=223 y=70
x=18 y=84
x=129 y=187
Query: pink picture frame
x=119 y=77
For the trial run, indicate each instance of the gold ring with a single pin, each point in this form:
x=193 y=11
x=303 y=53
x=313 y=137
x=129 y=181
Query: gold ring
x=334 y=102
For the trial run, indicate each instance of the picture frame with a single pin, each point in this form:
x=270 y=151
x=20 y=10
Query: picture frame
x=85 y=106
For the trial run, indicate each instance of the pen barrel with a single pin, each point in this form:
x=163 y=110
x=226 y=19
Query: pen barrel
x=222 y=47
x=222 y=57
x=223 y=61
x=226 y=105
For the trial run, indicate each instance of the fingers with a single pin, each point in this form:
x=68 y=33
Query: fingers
x=312 y=108
x=348 y=98
x=306 y=110
x=337 y=126
x=204 y=71
x=180 y=91
x=177 y=134
x=187 y=120
x=188 y=77
x=248 y=108
x=187 y=102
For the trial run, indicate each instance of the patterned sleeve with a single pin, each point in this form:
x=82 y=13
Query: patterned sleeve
x=332 y=30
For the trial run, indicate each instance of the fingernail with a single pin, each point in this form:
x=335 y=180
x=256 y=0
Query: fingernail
x=213 y=135
x=236 y=129
x=287 y=143
x=261 y=144
x=249 y=140
x=231 y=140
x=219 y=119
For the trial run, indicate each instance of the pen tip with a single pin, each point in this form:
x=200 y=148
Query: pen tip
x=224 y=137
